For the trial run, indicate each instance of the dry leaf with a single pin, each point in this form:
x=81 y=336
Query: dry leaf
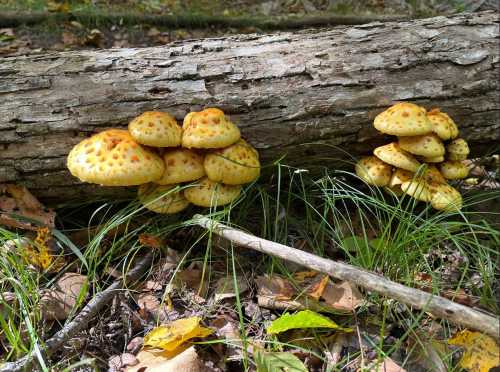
x=225 y=287
x=191 y=278
x=39 y=253
x=481 y=352
x=388 y=365
x=316 y=289
x=151 y=241
x=276 y=287
x=171 y=336
x=58 y=301
x=150 y=307
x=117 y=362
x=158 y=361
x=426 y=352
x=342 y=296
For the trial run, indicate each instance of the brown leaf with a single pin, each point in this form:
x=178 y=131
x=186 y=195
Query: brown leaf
x=276 y=287
x=317 y=288
x=225 y=287
x=342 y=296
x=388 y=365
x=151 y=241
x=150 y=307
x=117 y=362
x=154 y=360
x=191 y=278
x=58 y=301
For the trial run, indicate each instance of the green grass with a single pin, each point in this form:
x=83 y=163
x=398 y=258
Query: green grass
x=334 y=216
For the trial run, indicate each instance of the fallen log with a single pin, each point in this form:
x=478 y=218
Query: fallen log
x=310 y=95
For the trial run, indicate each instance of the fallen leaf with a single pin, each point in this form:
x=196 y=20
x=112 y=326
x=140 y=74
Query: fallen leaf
x=150 y=307
x=40 y=254
x=117 y=362
x=192 y=278
x=161 y=361
x=224 y=288
x=387 y=365
x=170 y=336
x=151 y=241
x=342 y=296
x=302 y=319
x=427 y=352
x=316 y=289
x=275 y=286
x=481 y=352
x=277 y=362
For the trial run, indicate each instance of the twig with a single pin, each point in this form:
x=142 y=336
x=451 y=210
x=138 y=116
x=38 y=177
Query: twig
x=82 y=319
x=435 y=305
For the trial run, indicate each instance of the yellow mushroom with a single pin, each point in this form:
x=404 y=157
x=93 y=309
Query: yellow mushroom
x=374 y=171
x=161 y=198
x=156 y=128
x=392 y=154
x=403 y=119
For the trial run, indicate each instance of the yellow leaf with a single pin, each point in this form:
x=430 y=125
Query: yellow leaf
x=481 y=351
x=39 y=254
x=169 y=337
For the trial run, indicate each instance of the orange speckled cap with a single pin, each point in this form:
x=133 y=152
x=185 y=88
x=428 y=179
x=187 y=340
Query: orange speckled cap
x=392 y=154
x=399 y=176
x=454 y=170
x=207 y=193
x=417 y=188
x=445 y=197
x=208 y=129
x=403 y=119
x=113 y=158
x=442 y=124
x=432 y=174
x=428 y=145
x=234 y=165
x=458 y=149
x=161 y=198
x=181 y=165
x=156 y=128
x=374 y=171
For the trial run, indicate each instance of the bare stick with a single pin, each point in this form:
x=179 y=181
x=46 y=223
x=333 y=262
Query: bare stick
x=82 y=319
x=435 y=305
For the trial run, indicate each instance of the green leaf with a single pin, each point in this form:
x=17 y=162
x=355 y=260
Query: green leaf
x=302 y=319
x=354 y=244
x=278 y=362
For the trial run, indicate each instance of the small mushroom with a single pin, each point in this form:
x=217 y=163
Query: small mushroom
x=161 y=198
x=208 y=129
x=445 y=197
x=394 y=155
x=442 y=124
x=374 y=171
x=181 y=165
x=398 y=177
x=454 y=170
x=435 y=159
x=428 y=145
x=207 y=193
x=432 y=174
x=417 y=188
x=234 y=165
x=457 y=149
x=113 y=158
x=403 y=119
x=156 y=128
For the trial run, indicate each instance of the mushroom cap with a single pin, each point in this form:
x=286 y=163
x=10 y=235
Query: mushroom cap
x=181 y=165
x=458 y=149
x=417 y=188
x=442 y=124
x=208 y=129
x=435 y=159
x=403 y=119
x=428 y=145
x=399 y=176
x=373 y=171
x=454 y=170
x=394 y=155
x=206 y=193
x=150 y=195
x=234 y=165
x=113 y=158
x=445 y=197
x=156 y=128
x=432 y=174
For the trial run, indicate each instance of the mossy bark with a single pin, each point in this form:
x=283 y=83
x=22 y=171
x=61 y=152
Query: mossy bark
x=309 y=95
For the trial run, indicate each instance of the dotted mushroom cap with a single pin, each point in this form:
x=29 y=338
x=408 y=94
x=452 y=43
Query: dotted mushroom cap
x=208 y=129
x=394 y=155
x=234 y=165
x=157 y=198
x=445 y=197
x=417 y=188
x=373 y=171
x=458 y=149
x=207 y=193
x=432 y=174
x=399 y=176
x=428 y=145
x=156 y=128
x=403 y=119
x=442 y=124
x=113 y=158
x=181 y=165
x=454 y=170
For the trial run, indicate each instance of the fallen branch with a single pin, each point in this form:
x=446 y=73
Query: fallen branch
x=435 y=305
x=82 y=319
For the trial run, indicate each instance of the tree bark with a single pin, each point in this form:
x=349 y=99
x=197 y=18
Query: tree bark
x=311 y=95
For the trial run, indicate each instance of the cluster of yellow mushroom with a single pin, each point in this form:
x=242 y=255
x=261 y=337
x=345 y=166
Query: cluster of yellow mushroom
x=425 y=156
x=158 y=154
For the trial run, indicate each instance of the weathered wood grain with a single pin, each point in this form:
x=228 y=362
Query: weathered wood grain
x=307 y=94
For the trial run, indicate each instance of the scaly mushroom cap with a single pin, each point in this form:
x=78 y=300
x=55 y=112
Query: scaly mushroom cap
x=207 y=193
x=445 y=197
x=418 y=189
x=442 y=124
x=457 y=149
x=394 y=155
x=432 y=174
x=156 y=128
x=399 y=176
x=150 y=195
x=403 y=119
x=454 y=170
x=181 y=165
x=435 y=159
x=208 y=129
x=373 y=171
x=113 y=158
x=428 y=145
x=234 y=165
